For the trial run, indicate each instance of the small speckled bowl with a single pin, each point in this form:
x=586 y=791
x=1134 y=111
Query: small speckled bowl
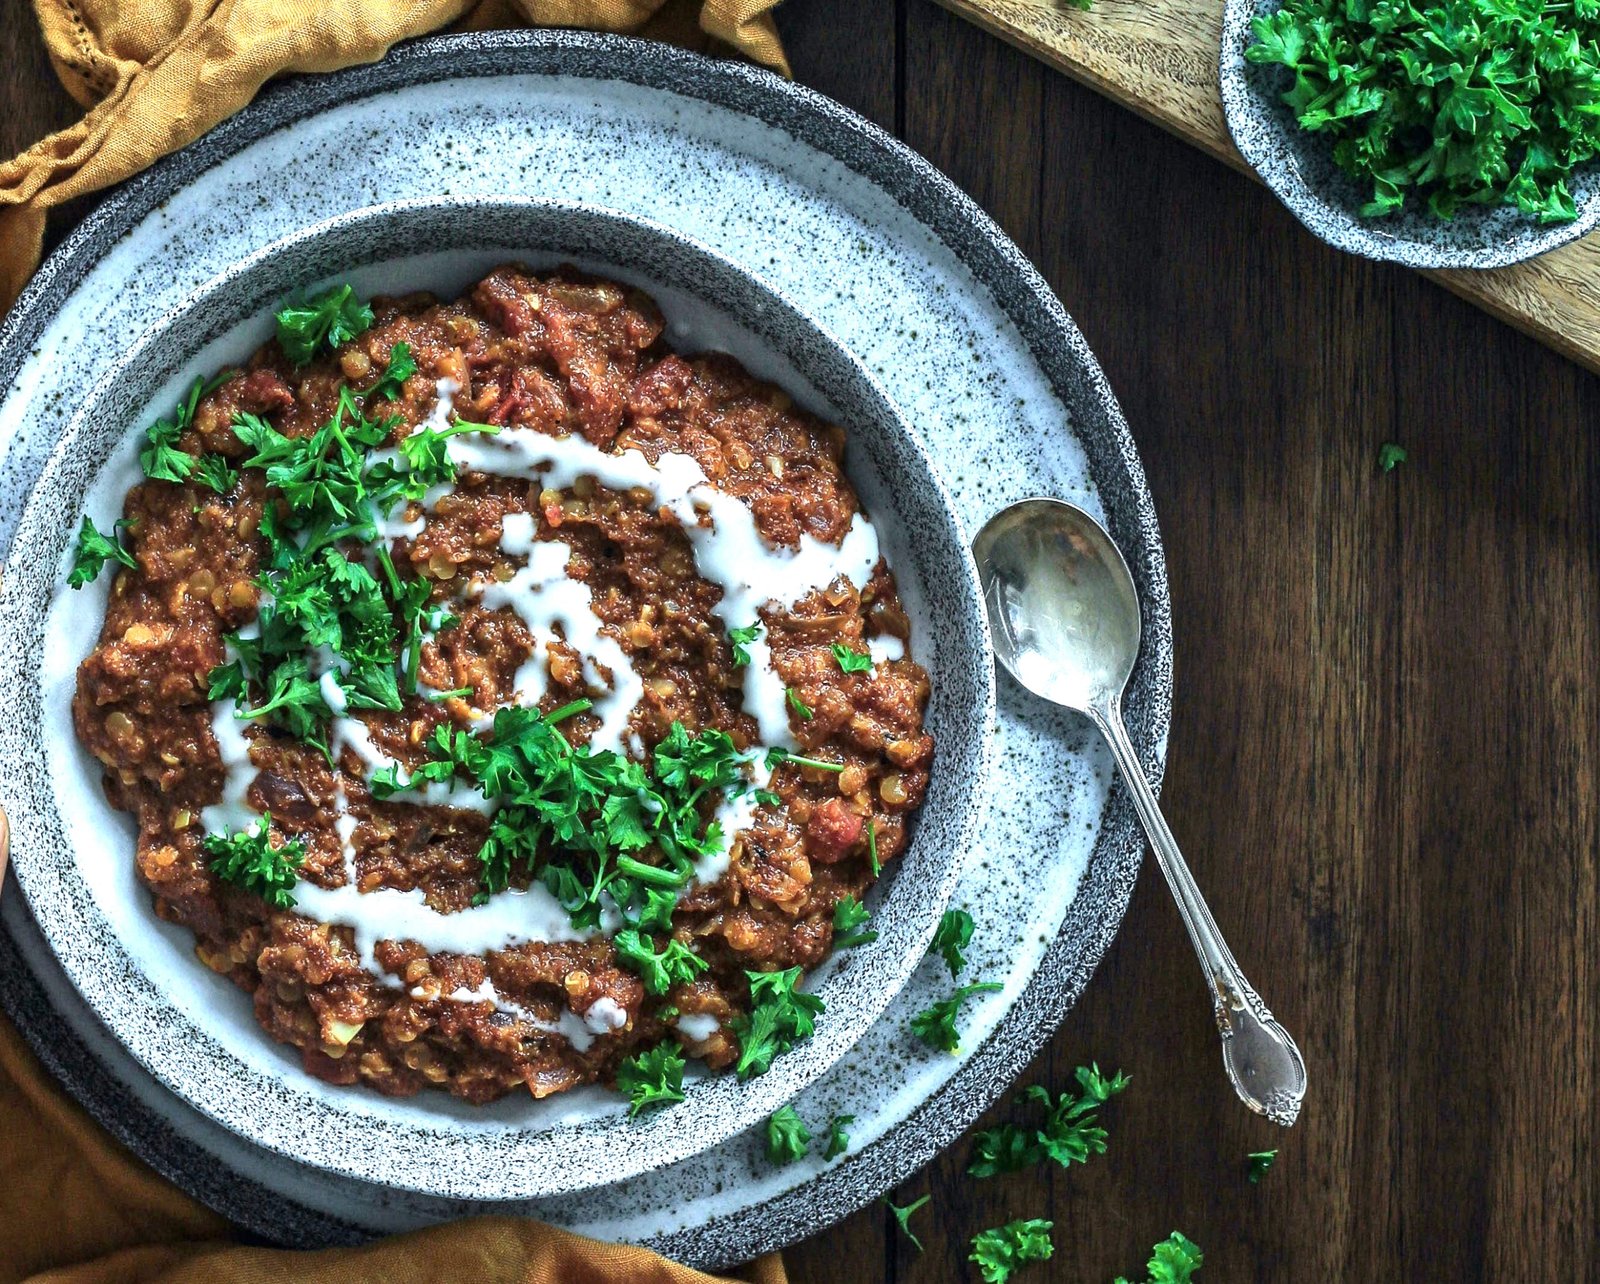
x=73 y=855
x=1299 y=167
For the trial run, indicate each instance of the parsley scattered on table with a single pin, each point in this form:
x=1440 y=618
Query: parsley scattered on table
x=1260 y=1161
x=903 y=1216
x=741 y=640
x=848 y=915
x=676 y=964
x=1069 y=1134
x=936 y=1025
x=1389 y=455
x=851 y=661
x=838 y=1138
x=247 y=859
x=780 y=1017
x=652 y=1079
x=1173 y=1261
x=328 y=319
x=95 y=550
x=1001 y=1251
x=797 y=704
x=400 y=368
x=1457 y=103
x=787 y=1136
x=953 y=936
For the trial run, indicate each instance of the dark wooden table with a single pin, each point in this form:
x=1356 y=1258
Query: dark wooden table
x=1385 y=729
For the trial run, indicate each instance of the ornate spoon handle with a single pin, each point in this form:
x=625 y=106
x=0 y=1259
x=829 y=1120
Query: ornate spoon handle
x=1261 y=1059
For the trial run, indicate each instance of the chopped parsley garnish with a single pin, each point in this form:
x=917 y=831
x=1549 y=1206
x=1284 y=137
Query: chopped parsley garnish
x=1001 y=1251
x=247 y=859
x=653 y=910
x=848 y=915
x=95 y=550
x=652 y=1079
x=161 y=459
x=851 y=661
x=1069 y=1134
x=777 y=757
x=903 y=1216
x=741 y=640
x=215 y=471
x=838 y=1138
x=788 y=1138
x=1467 y=102
x=1390 y=454
x=872 y=849
x=1173 y=1261
x=400 y=368
x=328 y=319
x=675 y=965
x=797 y=704
x=952 y=937
x=1260 y=1161
x=780 y=1017
x=936 y=1025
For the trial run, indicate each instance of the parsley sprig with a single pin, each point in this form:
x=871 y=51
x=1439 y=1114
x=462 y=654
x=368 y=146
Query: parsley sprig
x=952 y=937
x=652 y=1079
x=1457 y=103
x=1173 y=1261
x=1000 y=1251
x=849 y=915
x=902 y=1215
x=95 y=549
x=247 y=859
x=936 y=1025
x=161 y=459
x=788 y=1138
x=324 y=320
x=1069 y=1134
x=780 y=1017
x=851 y=661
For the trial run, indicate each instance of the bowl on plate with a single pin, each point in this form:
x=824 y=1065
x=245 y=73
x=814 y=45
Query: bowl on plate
x=73 y=854
x=1299 y=168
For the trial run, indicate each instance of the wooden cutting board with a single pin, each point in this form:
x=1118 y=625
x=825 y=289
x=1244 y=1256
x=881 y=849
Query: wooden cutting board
x=1159 y=57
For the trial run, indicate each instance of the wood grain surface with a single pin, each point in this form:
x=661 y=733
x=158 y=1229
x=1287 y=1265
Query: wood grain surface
x=1384 y=742
x=1161 y=60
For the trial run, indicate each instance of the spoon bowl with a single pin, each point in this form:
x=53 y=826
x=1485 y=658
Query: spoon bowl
x=1064 y=615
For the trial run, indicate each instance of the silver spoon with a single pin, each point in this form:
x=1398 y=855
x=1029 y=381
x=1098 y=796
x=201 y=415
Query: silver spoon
x=1065 y=618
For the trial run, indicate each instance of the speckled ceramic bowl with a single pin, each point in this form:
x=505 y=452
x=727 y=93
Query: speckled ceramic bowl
x=1299 y=167
x=73 y=855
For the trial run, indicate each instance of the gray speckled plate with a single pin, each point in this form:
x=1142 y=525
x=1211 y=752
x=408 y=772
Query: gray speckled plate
x=913 y=278
x=1299 y=167
x=194 y=1030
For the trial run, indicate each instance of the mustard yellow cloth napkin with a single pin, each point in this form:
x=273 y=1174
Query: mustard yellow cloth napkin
x=156 y=74
x=75 y=1206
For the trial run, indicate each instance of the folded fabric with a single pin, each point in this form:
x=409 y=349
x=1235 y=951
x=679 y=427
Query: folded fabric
x=156 y=74
x=75 y=1206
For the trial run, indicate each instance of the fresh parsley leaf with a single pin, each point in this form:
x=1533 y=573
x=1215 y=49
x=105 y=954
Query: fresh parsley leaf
x=214 y=471
x=655 y=913
x=936 y=1025
x=95 y=550
x=780 y=1017
x=247 y=859
x=851 y=661
x=652 y=1079
x=848 y=915
x=797 y=704
x=400 y=368
x=903 y=1216
x=1069 y=1134
x=1389 y=455
x=328 y=319
x=1461 y=102
x=1000 y=1251
x=1173 y=1261
x=741 y=640
x=1260 y=1161
x=838 y=1138
x=952 y=937
x=676 y=964
x=788 y=1138
x=777 y=757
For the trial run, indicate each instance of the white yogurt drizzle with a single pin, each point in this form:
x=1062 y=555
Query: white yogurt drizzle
x=729 y=552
